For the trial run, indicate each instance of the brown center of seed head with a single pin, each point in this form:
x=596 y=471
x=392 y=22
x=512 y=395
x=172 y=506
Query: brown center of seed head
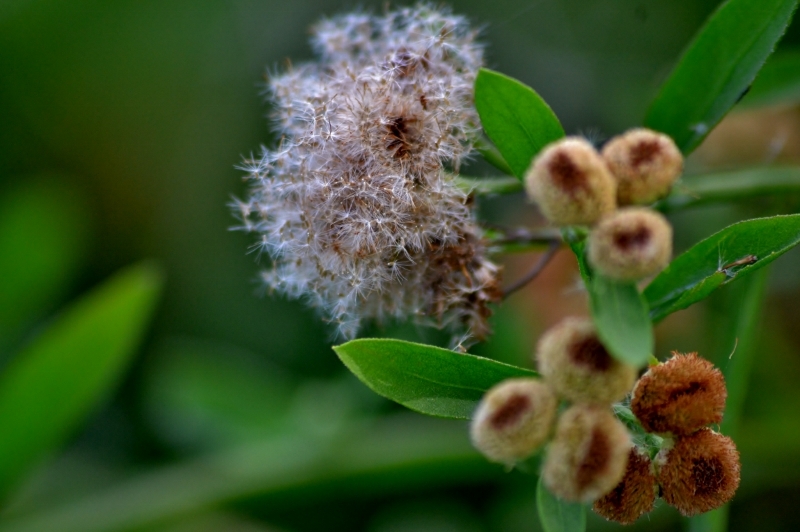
x=400 y=136
x=638 y=237
x=511 y=411
x=708 y=475
x=566 y=174
x=590 y=352
x=644 y=152
x=596 y=459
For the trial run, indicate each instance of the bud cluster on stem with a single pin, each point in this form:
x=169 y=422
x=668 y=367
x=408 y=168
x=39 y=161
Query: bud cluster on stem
x=572 y=183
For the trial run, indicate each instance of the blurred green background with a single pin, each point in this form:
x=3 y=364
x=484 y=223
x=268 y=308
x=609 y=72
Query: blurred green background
x=121 y=124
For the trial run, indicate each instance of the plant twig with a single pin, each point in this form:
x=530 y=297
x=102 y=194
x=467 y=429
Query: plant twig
x=555 y=245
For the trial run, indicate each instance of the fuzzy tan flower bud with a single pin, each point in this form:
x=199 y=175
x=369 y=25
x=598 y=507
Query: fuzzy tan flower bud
x=588 y=455
x=576 y=364
x=645 y=164
x=570 y=183
x=699 y=473
x=634 y=496
x=680 y=396
x=630 y=244
x=514 y=419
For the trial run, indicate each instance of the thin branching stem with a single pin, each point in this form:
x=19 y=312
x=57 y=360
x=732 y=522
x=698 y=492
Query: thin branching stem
x=543 y=261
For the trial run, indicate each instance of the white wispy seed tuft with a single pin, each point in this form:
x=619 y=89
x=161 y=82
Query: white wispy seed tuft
x=357 y=205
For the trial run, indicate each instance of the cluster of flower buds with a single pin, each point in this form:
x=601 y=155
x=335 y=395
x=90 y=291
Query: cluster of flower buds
x=589 y=452
x=590 y=455
x=699 y=469
x=575 y=184
x=696 y=469
x=588 y=446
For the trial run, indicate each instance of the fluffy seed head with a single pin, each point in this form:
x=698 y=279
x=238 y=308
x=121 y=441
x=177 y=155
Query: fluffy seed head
x=630 y=244
x=514 y=419
x=588 y=454
x=700 y=473
x=634 y=496
x=354 y=206
x=645 y=164
x=680 y=396
x=575 y=363
x=570 y=183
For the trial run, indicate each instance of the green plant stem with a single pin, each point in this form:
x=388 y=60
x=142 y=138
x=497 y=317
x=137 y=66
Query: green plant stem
x=493 y=156
x=404 y=452
x=736 y=366
x=731 y=186
x=486 y=186
x=520 y=240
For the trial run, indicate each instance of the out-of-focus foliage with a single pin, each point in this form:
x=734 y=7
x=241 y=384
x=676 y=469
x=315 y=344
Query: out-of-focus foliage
x=120 y=127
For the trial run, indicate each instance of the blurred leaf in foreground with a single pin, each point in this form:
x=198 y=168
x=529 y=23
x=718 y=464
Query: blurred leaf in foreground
x=43 y=235
x=50 y=387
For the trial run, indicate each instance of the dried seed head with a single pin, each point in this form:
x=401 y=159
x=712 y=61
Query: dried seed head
x=645 y=164
x=630 y=244
x=355 y=207
x=570 y=183
x=634 y=496
x=575 y=363
x=699 y=473
x=680 y=396
x=514 y=419
x=588 y=454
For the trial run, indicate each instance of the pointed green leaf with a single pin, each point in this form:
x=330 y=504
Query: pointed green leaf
x=51 y=386
x=731 y=186
x=487 y=186
x=43 y=234
x=518 y=120
x=557 y=515
x=717 y=68
x=777 y=83
x=737 y=250
x=622 y=320
x=618 y=309
x=425 y=378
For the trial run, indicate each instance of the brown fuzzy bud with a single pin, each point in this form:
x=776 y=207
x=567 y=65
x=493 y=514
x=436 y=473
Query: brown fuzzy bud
x=634 y=496
x=645 y=163
x=570 y=183
x=575 y=363
x=588 y=454
x=699 y=473
x=630 y=244
x=679 y=396
x=514 y=419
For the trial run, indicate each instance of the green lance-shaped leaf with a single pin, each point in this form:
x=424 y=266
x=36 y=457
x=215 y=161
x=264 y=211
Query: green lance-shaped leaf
x=621 y=316
x=619 y=311
x=778 y=82
x=44 y=227
x=51 y=386
x=425 y=378
x=736 y=185
x=737 y=250
x=717 y=68
x=515 y=117
x=557 y=515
